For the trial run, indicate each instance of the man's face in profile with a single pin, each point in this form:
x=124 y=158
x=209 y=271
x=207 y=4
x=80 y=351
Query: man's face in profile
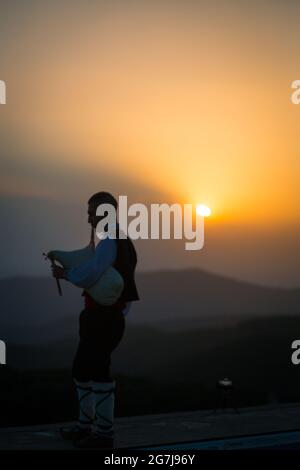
x=93 y=219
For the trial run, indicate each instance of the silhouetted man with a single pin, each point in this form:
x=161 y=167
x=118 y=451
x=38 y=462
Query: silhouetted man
x=101 y=330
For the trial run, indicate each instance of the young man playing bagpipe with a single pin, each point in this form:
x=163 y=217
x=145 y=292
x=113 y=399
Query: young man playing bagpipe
x=101 y=328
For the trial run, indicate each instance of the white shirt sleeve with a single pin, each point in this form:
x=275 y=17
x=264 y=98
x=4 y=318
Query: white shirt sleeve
x=89 y=272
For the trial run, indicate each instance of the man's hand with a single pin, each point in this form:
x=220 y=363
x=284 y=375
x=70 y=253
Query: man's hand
x=58 y=272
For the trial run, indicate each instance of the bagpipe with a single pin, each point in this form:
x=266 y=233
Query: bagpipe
x=107 y=289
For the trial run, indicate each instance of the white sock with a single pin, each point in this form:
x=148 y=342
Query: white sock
x=86 y=404
x=104 y=393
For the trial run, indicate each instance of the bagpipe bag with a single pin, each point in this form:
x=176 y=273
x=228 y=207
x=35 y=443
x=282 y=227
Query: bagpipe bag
x=107 y=289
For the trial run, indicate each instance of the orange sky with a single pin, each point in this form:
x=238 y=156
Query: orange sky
x=192 y=102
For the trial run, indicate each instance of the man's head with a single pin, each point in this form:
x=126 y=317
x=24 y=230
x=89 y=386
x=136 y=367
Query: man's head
x=95 y=201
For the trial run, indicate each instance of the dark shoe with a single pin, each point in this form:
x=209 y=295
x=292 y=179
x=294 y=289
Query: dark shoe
x=95 y=441
x=74 y=433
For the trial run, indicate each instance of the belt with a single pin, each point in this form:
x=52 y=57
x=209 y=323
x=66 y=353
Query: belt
x=90 y=303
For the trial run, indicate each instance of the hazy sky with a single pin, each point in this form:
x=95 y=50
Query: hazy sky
x=165 y=101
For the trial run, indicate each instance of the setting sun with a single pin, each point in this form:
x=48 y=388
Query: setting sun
x=203 y=210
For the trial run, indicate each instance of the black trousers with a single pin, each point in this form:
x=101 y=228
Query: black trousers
x=100 y=330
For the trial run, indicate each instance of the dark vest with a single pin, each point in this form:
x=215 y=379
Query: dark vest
x=125 y=263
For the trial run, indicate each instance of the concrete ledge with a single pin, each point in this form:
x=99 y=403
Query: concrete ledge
x=165 y=428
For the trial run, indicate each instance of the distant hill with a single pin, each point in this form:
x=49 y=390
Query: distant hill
x=32 y=311
x=256 y=354
x=189 y=329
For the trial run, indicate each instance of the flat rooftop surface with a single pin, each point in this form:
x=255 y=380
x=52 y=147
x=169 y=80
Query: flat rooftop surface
x=274 y=425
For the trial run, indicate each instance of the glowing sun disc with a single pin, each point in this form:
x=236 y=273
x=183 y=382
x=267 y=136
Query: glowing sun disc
x=203 y=210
